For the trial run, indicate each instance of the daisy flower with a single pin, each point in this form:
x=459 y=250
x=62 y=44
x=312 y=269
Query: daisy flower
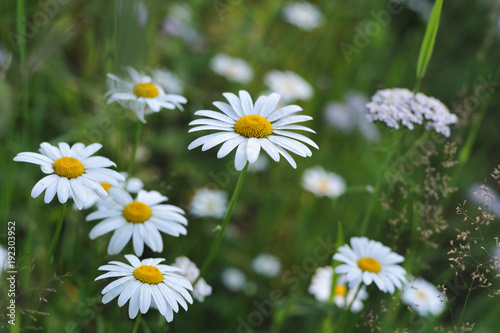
x=250 y=127
x=303 y=15
x=141 y=219
x=289 y=85
x=321 y=285
x=190 y=271
x=146 y=284
x=423 y=297
x=141 y=94
x=367 y=261
x=209 y=203
x=322 y=183
x=72 y=171
x=266 y=265
x=233 y=279
x=233 y=69
x=400 y=106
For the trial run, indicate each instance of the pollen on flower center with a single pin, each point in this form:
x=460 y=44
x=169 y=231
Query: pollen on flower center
x=147 y=90
x=340 y=290
x=136 y=212
x=148 y=274
x=369 y=265
x=106 y=186
x=421 y=295
x=68 y=167
x=253 y=126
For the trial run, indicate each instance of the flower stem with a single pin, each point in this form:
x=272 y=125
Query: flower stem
x=218 y=239
x=134 y=150
x=137 y=322
x=55 y=239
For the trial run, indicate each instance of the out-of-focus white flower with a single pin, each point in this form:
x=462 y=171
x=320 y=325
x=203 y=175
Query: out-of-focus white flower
x=261 y=164
x=209 y=203
x=423 y=297
x=4 y=262
x=233 y=69
x=401 y=106
x=189 y=270
x=303 y=15
x=322 y=183
x=178 y=23
x=168 y=81
x=486 y=197
x=266 y=265
x=233 y=279
x=321 y=285
x=289 y=85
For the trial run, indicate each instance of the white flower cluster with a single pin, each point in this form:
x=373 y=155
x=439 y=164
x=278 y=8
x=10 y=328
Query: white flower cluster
x=400 y=105
x=190 y=271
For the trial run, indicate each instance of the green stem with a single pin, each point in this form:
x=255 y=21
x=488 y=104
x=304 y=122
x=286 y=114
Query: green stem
x=465 y=304
x=137 y=322
x=55 y=239
x=417 y=86
x=134 y=150
x=218 y=239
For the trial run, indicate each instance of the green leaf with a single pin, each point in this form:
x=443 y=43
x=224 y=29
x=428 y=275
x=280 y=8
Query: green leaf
x=429 y=39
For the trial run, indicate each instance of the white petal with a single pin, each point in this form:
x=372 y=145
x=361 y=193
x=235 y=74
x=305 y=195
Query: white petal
x=246 y=102
x=218 y=139
x=253 y=149
x=240 y=159
x=270 y=105
x=51 y=190
x=215 y=115
x=227 y=109
x=106 y=226
x=235 y=103
x=63 y=189
x=42 y=184
x=283 y=112
x=120 y=196
x=228 y=146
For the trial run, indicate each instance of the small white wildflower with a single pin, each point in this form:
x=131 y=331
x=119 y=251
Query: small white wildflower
x=303 y=15
x=234 y=69
x=266 y=265
x=423 y=297
x=168 y=81
x=323 y=183
x=190 y=271
x=209 y=203
x=233 y=279
x=289 y=85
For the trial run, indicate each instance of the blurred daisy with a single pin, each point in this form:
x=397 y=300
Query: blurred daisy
x=233 y=69
x=289 y=85
x=146 y=284
x=259 y=165
x=168 y=81
x=209 y=203
x=303 y=15
x=191 y=272
x=322 y=183
x=367 y=261
x=266 y=265
x=423 y=297
x=401 y=106
x=141 y=219
x=233 y=279
x=321 y=285
x=251 y=127
x=131 y=185
x=4 y=259
x=141 y=94
x=72 y=171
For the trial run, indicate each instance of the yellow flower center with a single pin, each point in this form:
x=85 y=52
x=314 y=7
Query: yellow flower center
x=323 y=185
x=253 y=126
x=369 y=265
x=340 y=290
x=147 y=90
x=421 y=295
x=68 y=167
x=136 y=212
x=148 y=274
x=106 y=186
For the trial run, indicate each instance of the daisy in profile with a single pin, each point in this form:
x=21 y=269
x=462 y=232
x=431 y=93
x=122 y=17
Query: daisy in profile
x=423 y=297
x=145 y=284
x=367 y=261
x=141 y=219
x=250 y=127
x=266 y=265
x=141 y=94
x=322 y=183
x=72 y=171
x=234 y=279
x=209 y=203
x=400 y=106
x=233 y=69
x=289 y=85
x=190 y=271
x=321 y=285
x=303 y=15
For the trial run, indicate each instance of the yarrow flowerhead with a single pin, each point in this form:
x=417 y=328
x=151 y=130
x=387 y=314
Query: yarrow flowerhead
x=234 y=69
x=303 y=15
x=189 y=270
x=72 y=172
x=367 y=261
x=250 y=127
x=141 y=94
x=146 y=284
x=141 y=219
x=321 y=285
x=322 y=183
x=423 y=297
x=401 y=106
x=289 y=85
x=267 y=265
